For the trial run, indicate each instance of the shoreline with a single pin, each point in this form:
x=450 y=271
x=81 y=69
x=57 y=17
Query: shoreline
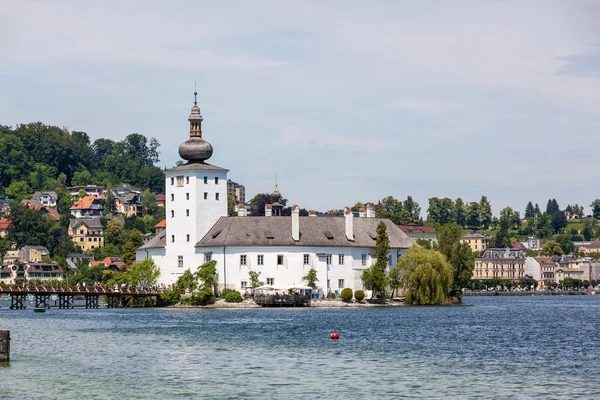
x=249 y=304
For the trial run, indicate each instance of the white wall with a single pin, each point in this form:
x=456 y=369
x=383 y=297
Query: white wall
x=532 y=268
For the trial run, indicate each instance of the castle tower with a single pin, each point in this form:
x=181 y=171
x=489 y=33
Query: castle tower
x=196 y=197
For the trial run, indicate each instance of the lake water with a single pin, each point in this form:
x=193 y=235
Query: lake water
x=518 y=347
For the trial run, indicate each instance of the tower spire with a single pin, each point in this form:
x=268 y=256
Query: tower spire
x=195 y=94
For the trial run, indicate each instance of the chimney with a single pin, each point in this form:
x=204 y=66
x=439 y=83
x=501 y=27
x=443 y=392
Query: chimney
x=241 y=210
x=362 y=213
x=370 y=210
x=296 y=223
x=268 y=210
x=312 y=213
x=349 y=223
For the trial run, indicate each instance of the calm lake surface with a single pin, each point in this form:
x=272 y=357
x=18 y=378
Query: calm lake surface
x=518 y=347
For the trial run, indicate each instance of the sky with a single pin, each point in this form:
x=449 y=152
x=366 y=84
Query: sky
x=345 y=101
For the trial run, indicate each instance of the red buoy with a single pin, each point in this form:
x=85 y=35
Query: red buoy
x=335 y=335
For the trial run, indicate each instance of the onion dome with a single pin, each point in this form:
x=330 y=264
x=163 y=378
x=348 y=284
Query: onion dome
x=195 y=149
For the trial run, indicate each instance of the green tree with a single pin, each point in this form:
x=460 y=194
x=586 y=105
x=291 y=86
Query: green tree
x=565 y=243
x=231 y=206
x=207 y=274
x=18 y=191
x=30 y=227
x=588 y=229
x=114 y=234
x=440 y=211
x=144 y=273
x=413 y=208
x=310 y=278
x=135 y=241
x=81 y=178
x=458 y=254
x=551 y=248
x=395 y=280
x=254 y=277
x=473 y=215
x=374 y=277
x=459 y=212
x=502 y=238
x=529 y=210
x=148 y=203
x=486 y=212
x=595 y=208
x=426 y=276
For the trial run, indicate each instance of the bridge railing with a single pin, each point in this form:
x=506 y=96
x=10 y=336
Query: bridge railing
x=77 y=290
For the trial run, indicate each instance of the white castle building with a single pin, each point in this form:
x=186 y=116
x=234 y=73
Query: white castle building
x=282 y=249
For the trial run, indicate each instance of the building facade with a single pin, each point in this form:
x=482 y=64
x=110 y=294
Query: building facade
x=87 y=233
x=237 y=191
x=500 y=264
x=477 y=241
x=281 y=249
x=419 y=232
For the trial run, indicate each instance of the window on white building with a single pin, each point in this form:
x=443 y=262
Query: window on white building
x=187 y=213
x=172 y=238
x=270 y=281
x=390 y=260
x=172 y=181
x=205 y=195
x=364 y=259
x=329 y=257
x=172 y=213
x=187 y=196
x=216 y=196
x=180 y=181
x=207 y=257
x=243 y=284
x=216 y=180
x=206 y=180
x=306 y=259
x=260 y=259
x=340 y=283
x=172 y=197
x=279 y=259
x=341 y=259
x=187 y=180
x=187 y=237
x=242 y=259
x=180 y=261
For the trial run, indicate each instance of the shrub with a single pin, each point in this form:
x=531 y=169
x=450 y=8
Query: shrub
x=170 y=296
x=203 y=298
x=331 y=295
x=359 y=295
x=233 y=296
x=226 y=291
x=346 y=295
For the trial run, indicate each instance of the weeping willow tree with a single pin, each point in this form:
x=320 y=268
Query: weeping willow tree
x=426 y=276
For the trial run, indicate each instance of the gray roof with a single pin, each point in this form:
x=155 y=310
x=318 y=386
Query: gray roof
x=157 y=242
x=196 y=167
x=51 y=193
x=89 y=222
x=314 y=231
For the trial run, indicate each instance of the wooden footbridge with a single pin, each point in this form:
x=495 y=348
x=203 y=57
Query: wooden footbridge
x=67 y=295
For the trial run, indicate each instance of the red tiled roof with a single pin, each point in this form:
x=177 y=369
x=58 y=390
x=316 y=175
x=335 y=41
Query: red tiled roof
x=544 y=260
x=161 y=197
x=415 y=228
x=5 y=223
x=519 y=245
x=84 y=203
x=161 y=224
x=53 y=213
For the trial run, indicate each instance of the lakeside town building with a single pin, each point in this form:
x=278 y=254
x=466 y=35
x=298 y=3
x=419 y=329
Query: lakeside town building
x=282 y=249
x=477 y=241
x=500 y=264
